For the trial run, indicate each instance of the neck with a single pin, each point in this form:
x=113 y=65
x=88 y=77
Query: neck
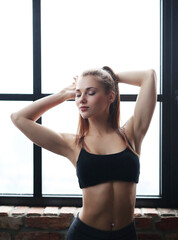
x=99 y=127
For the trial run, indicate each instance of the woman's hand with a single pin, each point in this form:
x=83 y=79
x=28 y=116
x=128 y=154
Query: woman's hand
x=70 y=90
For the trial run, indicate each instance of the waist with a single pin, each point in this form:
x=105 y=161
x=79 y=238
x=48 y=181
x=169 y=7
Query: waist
x=106 y=222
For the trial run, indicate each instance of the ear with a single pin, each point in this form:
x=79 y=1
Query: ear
x=112 y=96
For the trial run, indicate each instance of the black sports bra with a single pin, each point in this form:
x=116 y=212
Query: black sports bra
x=93 y=169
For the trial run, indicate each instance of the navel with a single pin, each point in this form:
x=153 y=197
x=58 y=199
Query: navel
x=112 y=225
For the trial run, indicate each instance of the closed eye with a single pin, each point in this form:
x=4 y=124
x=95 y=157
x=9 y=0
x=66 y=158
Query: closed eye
x=91 y=93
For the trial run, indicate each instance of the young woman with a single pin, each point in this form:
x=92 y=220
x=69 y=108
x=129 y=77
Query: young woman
x=106 y=155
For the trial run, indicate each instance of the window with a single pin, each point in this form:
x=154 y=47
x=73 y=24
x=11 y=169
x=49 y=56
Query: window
x=16 y=47
x=77 y=35
x=66 y=40
x=16 y=78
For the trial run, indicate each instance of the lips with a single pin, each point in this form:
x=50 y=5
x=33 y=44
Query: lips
x=83 y=108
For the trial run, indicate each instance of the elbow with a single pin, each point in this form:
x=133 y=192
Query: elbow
x=154 y=82
x=151 y=82
x=149 y=78
x=153 y=76
x=15 y=118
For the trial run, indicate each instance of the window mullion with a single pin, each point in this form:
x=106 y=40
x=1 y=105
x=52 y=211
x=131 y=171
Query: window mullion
x=174 y=103
x=169 y=136
x=37 y=92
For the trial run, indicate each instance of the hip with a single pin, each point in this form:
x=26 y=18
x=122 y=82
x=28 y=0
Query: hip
x=82 y=231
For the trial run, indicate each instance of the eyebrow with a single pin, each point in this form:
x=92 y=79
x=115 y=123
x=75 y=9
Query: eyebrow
x=78 y=90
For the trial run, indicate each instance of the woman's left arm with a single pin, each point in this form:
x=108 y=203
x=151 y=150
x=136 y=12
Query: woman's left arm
x=146 y=100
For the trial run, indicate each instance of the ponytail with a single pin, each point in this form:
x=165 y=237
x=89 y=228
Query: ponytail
x=115 y=106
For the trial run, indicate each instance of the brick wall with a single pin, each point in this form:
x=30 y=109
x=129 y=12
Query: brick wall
x=52 y=223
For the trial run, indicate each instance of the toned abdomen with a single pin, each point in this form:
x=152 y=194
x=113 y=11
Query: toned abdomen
x=109 y=206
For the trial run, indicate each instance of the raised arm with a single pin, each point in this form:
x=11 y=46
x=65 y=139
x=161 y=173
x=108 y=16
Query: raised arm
x=145 y=104
x=25 y=120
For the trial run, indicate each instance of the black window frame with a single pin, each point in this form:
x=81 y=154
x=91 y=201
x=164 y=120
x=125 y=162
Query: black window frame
x=169 y=117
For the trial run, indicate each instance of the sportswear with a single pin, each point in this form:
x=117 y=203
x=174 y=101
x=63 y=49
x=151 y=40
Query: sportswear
x=93 y=169
x=81 y=231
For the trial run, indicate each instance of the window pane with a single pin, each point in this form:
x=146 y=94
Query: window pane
x=149 y=159
x=16 y=46
x=16 y=155
x=59 y=175
x=77 y=35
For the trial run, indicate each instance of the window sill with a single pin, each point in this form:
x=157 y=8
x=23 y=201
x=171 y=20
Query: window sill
x=53 y=222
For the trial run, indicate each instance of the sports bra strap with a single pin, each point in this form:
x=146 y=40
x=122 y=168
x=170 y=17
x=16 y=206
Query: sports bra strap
x=124 y=136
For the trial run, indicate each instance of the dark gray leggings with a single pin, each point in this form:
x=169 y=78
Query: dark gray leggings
x=81 y=231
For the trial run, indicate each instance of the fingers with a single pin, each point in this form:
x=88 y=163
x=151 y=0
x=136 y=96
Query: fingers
x=75 y=78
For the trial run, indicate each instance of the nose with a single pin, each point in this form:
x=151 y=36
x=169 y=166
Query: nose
x=83 y=99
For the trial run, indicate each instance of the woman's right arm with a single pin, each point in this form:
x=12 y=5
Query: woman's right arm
x=25 y=120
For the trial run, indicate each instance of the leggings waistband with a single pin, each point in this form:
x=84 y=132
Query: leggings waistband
x=127 y=232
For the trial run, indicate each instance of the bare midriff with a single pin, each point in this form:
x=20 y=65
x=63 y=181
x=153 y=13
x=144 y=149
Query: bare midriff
x=109 y=206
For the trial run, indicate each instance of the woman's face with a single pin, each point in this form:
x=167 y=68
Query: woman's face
x=91 y=98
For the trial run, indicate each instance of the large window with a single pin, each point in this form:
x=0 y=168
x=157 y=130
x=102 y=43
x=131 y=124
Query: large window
x=77 y=35
x=69 y=37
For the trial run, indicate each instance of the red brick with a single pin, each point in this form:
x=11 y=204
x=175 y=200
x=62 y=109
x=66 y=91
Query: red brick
x=5 y=210
x=167 y=212
x=10 y=223
x=43 y=222
x=19 y=211
x=150 y=212
x=69 y=212
x=143 y=222
x=38 y=236
x=35 y=211
x=137 y=212
x=167 y=224
x=171 y=236
x=5 y=236
x=148 y=236
x=51 y=211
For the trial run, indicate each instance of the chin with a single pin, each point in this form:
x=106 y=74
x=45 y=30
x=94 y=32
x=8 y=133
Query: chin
x=84 y=116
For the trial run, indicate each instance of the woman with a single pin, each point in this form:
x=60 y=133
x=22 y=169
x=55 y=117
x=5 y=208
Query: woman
x=106 y=155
